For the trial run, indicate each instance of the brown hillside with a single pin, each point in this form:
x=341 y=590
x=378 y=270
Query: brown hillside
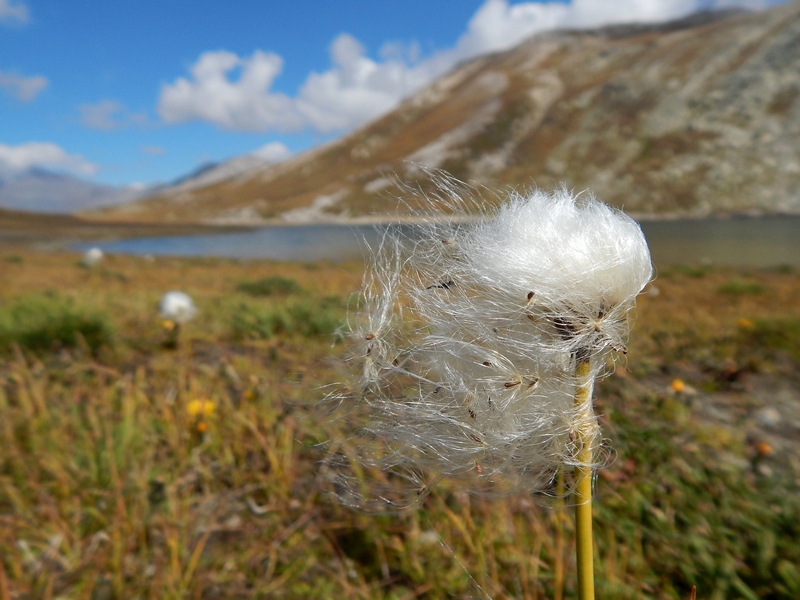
x=696 y=117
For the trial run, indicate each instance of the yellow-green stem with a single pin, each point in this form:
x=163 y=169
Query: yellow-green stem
x=583 y=487
x=561 y=518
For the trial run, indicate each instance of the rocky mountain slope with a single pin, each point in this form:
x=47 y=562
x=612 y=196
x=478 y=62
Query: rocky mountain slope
x=696 y=117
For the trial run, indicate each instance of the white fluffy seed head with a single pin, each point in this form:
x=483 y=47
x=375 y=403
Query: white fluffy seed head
x=92 y=257
x=177 y=307
x=465 y=346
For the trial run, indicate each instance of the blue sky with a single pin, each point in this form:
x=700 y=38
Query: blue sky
x=143 y=92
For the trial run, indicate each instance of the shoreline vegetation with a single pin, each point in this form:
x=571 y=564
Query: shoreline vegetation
x=135 y=468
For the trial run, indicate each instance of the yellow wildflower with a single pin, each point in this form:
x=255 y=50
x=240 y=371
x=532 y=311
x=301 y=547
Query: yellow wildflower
x=201 y=408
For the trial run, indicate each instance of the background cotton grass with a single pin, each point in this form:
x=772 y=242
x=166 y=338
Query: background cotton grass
x=177 y=307
x=92 y=257
x=467 y=338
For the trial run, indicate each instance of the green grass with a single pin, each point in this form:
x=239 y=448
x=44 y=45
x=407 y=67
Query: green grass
x=43 y=323
x=702 y=519
x=270 y=286
x=739 y=286
x=109 y=487
x=297 y=316
x=773 y=334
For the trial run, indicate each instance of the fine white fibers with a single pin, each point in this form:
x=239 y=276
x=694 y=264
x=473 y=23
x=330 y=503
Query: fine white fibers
x=468 y=334
x=177 y=307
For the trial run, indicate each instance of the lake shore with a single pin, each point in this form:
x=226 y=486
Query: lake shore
x=56 y=233
x=53 y=232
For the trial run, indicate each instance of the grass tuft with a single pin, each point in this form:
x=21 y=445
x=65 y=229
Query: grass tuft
x=270 y=286
x=47 y=323
x=741 y=287
x=297 y=317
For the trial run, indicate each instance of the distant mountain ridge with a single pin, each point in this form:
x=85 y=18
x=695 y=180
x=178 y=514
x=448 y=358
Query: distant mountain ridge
x=39 y=190
x=695 y=117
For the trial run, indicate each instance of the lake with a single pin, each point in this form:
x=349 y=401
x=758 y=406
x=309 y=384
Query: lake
x=739 y=241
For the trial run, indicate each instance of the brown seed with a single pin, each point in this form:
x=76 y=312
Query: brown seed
x=530 y=296
x=510 y=384
x=369 y=336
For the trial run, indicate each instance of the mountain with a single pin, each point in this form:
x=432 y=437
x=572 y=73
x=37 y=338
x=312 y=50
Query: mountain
x=38 y=190
x=212 y=173
x=699 y=116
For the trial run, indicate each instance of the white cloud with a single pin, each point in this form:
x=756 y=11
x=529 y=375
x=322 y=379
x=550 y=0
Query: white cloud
x=13 y=11
x=273 y=152
x=356 y=88
x=108 y=115
x=234 y=93
x=243 y=104
x=15 y=159
x=22 y=88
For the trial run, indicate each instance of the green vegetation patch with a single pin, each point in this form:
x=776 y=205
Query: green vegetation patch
x=739 y=287
x=270 y=286
x=43 y=323
x=773 y=334
x=301 y=317
x=680 y=495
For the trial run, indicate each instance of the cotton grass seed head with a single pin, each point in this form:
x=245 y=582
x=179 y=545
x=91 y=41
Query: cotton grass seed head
x=177 y=307
x=92 y=257
x=469 y=332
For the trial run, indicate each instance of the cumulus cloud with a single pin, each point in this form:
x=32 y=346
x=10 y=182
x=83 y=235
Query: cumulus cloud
x=356 y=87
x=273 y=152
x=233 y=92
x=11 y=11
x=22 y=88
x=108 y=115
x=16 y=159
x=243 y=104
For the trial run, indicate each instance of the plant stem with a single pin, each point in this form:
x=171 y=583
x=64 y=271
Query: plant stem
x=583 y=486
x=561 y=518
